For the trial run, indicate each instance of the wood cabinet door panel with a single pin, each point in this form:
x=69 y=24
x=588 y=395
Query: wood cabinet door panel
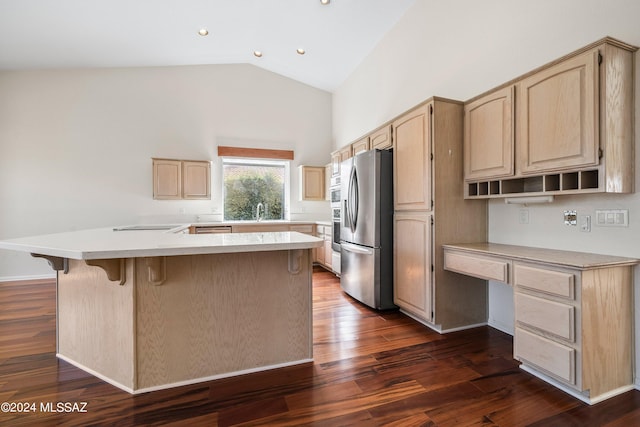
x=558 y=116
x=412 y=263
x=548 y=316
x=412 y=160
x=557 y=283
x=196 y=180
x=312 y=183
x=489 y=136
x=167 y=179
x=477 y=266
x=549 y=356
x=381 y=139
x=360 y=146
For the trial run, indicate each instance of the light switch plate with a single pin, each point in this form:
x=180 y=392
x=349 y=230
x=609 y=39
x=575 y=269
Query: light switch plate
x=612 y=218
x=585 y=223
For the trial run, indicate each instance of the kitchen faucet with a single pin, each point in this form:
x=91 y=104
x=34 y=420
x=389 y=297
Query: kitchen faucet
x=258 y=206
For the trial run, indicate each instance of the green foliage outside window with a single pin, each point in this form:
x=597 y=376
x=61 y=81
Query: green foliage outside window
x=247 y=185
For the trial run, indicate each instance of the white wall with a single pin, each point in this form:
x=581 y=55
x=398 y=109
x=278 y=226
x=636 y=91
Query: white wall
x=461 y=48
x=76 y=145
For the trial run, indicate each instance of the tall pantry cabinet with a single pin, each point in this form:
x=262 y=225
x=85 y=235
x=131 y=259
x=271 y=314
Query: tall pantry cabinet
x=430 y=210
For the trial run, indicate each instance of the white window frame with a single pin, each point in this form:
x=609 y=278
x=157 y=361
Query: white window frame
x=251 y=161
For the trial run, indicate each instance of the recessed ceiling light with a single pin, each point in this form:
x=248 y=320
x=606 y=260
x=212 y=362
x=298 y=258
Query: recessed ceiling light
x=203 y=32
x=325 y=1
x=301 y=51
x=257 y=54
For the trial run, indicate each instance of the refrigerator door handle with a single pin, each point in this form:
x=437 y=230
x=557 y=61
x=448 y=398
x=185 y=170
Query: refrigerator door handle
x=353 y=199
x=345 y=214
x=355 y=248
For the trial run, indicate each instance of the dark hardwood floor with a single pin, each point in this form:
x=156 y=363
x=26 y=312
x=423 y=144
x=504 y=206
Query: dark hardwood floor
x=370 y=369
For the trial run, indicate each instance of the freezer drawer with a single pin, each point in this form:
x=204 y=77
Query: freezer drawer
x=364 y=277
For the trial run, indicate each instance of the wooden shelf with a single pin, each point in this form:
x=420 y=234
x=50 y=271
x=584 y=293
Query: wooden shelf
x=574 y=182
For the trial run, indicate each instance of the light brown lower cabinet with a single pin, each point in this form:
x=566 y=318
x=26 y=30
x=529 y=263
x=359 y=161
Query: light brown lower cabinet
x=573 y=313
x=412 y=282
x=323 y=253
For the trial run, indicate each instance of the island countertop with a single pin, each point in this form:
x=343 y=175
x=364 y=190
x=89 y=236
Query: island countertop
x=107 y=243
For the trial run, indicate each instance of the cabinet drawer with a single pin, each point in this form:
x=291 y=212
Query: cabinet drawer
x=549 y=316
x=550 y=356
x=477 y=266
x=305 y=228
x=548 y=281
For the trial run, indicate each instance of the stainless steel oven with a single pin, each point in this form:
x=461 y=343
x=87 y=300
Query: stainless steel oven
x=336 y=213
x=335 y=195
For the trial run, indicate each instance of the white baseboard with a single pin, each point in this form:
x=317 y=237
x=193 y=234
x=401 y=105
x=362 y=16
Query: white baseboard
x=503 y=327
x=590 y=400
x=22 y=278
x=438 y=328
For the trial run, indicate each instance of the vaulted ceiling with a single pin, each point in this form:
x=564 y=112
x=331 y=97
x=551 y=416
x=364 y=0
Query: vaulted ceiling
x=336 y=37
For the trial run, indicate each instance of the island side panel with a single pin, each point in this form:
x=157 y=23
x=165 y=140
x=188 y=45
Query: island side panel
x=220 y=314
x=96 y=322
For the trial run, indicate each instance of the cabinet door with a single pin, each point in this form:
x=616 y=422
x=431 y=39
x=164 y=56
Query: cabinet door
x=345 y=153
x=412 y=284
x=335 y=163
x=558 y=116
x=489 y=136
x=412 y=160
x=196 y=180
x=381 y=139
x=360 y=146
x=327 y=252
x=312 y=183
x=167 y=179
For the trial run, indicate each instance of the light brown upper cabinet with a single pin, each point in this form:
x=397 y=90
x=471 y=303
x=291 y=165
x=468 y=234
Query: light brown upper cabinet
x=558 y=116
x=312 y=182
x=412 y=160
x=381 y=139
x=360 y=146
x=573 y=128
x=181 y=179
x=335 y=163
x=196 y=179
x=338 y=157
x=489 y=135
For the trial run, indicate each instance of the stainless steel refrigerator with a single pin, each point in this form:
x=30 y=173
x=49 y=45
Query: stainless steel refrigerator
x=366 y=228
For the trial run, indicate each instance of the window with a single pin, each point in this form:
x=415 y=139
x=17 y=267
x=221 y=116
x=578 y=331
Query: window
x=252 y=185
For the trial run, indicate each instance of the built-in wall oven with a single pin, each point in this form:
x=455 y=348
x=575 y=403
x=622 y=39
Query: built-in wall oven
x=335 y=213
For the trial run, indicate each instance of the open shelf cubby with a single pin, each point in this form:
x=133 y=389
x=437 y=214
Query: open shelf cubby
x=554 y=183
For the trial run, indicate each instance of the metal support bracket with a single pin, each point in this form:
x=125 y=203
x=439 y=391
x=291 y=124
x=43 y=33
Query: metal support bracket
x=156 y=270
x=113 y=267
x=57 y=263
x=295 y=261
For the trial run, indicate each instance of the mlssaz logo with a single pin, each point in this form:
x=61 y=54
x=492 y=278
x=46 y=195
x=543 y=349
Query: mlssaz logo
x=65 y=407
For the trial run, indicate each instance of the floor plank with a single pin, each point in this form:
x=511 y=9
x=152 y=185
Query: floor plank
x=370 y=369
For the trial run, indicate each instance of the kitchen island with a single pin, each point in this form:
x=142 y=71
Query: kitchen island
x=151 y=309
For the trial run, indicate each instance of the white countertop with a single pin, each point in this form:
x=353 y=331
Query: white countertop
x=105 y=243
